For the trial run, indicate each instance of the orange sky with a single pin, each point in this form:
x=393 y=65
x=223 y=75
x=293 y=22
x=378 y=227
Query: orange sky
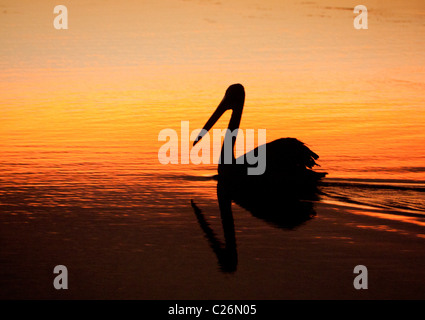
x=124 y=70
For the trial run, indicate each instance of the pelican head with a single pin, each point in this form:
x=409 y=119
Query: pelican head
x=233 y=99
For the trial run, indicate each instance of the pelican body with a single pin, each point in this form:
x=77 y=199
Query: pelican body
x=289 y=162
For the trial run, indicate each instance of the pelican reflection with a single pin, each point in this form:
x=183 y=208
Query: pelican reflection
x=279 y=211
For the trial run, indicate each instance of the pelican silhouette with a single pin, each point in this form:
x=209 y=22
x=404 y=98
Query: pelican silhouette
x=289 y=162
x=281 y=196
x=282 y=214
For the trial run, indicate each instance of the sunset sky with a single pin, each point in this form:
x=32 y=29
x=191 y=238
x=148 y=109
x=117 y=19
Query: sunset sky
x=124 y=70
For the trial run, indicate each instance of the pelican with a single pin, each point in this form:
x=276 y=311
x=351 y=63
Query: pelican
x=289 y=162
x=281 y=195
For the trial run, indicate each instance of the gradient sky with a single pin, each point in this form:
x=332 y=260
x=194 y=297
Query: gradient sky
x=124 y=70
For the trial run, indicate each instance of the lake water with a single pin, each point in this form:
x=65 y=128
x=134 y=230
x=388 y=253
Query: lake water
x=81 y=110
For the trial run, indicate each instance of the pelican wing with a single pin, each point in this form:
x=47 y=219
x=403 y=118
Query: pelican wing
x=286 y=154
x=292 y=153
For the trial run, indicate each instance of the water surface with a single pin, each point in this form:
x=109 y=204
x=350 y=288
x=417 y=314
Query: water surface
x=81 y=110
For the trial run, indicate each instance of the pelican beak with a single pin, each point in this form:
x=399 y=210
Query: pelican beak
x=212 y=120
